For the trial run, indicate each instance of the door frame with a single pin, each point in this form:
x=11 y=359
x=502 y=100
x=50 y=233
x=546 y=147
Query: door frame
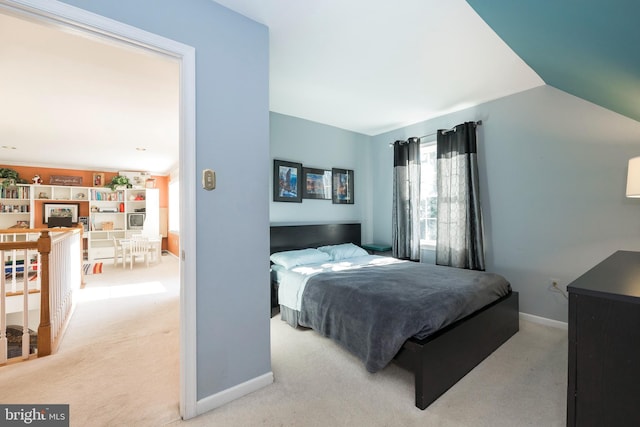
x=71 y=17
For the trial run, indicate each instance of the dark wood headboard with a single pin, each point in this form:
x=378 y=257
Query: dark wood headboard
x=290 y=237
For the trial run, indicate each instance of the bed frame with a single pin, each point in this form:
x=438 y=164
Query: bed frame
x=442 y=359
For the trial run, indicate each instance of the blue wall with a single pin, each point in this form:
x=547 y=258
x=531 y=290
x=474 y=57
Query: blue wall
x=232 y=137
x=553 y=175
x=323 y=147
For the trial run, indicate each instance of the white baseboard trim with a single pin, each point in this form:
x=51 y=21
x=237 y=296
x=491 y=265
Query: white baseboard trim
x=544 y=321
x=225 y=396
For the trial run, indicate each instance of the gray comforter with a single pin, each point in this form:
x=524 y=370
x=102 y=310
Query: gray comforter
x=372 y=311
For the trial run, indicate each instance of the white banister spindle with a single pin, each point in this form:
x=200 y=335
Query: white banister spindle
x=3 y=315
x=38 y=269
x=26 y=340
x=14 y=269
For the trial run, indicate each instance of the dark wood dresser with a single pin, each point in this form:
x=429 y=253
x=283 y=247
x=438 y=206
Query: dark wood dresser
x=604 y=344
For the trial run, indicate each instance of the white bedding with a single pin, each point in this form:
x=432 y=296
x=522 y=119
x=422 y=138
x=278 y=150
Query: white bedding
x=292 y=282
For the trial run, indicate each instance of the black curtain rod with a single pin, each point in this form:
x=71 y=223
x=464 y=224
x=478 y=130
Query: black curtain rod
x=478 y=123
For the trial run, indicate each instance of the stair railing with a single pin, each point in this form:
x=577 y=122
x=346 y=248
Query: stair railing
x=58 y=273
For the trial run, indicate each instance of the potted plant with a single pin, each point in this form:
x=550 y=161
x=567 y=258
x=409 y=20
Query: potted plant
x=118 y=182
x=8 y=177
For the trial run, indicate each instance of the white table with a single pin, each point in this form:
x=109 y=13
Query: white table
x=154 y=246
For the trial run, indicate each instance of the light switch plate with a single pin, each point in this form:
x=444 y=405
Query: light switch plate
x=208 y=179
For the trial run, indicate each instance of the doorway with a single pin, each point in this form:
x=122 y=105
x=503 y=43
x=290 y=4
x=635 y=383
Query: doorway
x=69 y=18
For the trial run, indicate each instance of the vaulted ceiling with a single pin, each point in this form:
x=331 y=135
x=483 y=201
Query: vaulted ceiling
x=586 y=48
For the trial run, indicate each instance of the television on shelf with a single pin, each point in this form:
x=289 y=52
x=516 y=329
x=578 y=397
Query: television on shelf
x=60 y=221
x=135 y=220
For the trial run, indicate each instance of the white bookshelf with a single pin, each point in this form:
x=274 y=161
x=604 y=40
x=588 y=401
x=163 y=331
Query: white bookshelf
x=15 y=206
x=107 y=211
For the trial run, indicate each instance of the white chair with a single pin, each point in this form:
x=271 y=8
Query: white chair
x=138 y=246
x=118 y=252
x=155 y=247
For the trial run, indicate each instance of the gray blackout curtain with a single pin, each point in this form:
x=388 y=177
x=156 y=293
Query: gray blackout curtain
x=460 y=232
x=406 y=199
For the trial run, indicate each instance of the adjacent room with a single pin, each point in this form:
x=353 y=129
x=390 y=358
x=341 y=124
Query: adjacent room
x=369 y=153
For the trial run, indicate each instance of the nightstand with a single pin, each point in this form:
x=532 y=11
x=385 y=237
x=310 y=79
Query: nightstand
x=377 y=248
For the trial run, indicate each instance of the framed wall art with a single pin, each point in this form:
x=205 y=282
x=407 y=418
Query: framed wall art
x=98 y=180
x=316 y=183
x=60 y=210
x=287 y=181
x=342 y=188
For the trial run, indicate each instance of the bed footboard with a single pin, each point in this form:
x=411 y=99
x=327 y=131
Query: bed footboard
x=441 y=360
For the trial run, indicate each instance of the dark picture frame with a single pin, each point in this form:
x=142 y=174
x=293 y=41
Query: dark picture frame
x=287 y=181
x=342 y=188
x=60 y=210
x=316 y=183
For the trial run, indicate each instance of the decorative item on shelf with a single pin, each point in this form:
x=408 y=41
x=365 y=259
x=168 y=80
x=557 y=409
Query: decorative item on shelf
x=84 y=220
x=95 y=209
x=43 y=195
x=119 y=182
x=137 y=179
x=98 y=179
x=9 y=178
x=36 y=179
x=107 y=225
x=150 y=183
x=21 y=224
x=65 y=180
x=80 y=196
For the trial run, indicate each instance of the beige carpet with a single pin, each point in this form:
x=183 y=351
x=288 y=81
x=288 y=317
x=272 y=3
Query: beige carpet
x=118 y=363
x=118 y=366
x=318 y=384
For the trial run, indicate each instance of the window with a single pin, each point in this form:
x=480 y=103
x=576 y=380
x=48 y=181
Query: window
x=174 y=205
x=428 y=194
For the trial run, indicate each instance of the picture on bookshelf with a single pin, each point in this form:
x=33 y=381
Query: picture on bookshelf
x=98 y=180
x=60 y=210
x=84 y=220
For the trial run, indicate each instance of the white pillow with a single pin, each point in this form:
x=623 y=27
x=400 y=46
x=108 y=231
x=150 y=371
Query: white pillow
x=343 y=251
x=290 y=259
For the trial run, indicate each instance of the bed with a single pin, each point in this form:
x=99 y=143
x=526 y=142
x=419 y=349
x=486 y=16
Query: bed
x=438 y=352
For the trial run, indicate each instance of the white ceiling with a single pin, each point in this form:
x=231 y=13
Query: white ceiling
x=372 y=66
x=76 y=102
x=368 y=66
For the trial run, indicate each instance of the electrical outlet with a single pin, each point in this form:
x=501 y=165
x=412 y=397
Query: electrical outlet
x=554 y=286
